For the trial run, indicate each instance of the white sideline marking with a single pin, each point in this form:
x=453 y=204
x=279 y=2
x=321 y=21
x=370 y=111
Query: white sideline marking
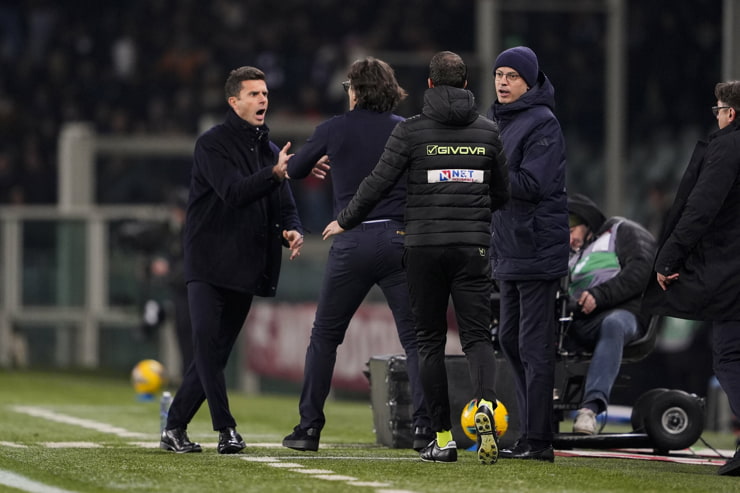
x=23 y=483
x=39 y=412
x=326 y=474
x=335 y=477
x=356 y=458
x=12 y=445
x=71 y=445
x=286 y=465
x=145 y=444
x=260 y=459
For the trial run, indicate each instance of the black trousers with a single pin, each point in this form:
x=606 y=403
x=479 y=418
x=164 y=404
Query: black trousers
x=435 y=274
x=183 y=328
x=217 y=316
x=370 y=254
x=726 y=360
x=527 y=334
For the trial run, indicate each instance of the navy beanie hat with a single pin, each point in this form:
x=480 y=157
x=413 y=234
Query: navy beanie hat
x=521 y=59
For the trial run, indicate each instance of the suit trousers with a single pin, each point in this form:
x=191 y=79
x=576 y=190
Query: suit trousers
x=435 y=274
x=726 y=360
x=527 y=333
x=217 y=316
x=367 y=255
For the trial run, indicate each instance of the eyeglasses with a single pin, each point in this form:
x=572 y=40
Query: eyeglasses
x=511 y=76
x=715 y=109
x=346 y=85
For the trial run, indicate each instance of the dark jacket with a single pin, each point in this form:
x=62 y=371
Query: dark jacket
x=456 y=172
x=634 y=247
x=530 y=233
x=701 y=236
x=237 y=210
x=354 y=142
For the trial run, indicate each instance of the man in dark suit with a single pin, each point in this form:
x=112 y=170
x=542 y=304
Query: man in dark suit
x=350 y=145
x=240 y=213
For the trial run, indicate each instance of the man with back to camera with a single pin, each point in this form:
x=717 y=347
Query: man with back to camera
x=240 y=214
x=697 y=266
x=529 y=242
x=611 y=260
x=455 y=168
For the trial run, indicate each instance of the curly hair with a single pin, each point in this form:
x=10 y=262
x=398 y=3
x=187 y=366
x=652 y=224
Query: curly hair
x=234 y=82
x=375 y=85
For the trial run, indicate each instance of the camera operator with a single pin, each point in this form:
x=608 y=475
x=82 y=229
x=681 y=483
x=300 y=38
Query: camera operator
x=610 y=263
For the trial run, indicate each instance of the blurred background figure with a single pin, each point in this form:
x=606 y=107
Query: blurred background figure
x=162 y=293
x=167 y=268
x=611 y=261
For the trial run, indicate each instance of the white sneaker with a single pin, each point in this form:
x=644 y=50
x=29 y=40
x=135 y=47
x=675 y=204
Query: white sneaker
x=585 y=422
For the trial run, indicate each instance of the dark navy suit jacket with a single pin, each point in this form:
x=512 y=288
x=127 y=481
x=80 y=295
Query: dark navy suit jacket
x=354 y=142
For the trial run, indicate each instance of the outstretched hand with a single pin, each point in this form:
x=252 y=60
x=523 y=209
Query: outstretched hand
x=295 y=242
x=331 y=229
x=280 y=170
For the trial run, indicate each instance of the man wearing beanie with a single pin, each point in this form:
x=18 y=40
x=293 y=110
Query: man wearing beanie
x=529 y=242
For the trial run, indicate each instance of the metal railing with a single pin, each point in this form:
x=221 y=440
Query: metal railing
x=79 y=258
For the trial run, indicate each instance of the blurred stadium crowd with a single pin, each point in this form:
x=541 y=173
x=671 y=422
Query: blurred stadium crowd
x=158 y=67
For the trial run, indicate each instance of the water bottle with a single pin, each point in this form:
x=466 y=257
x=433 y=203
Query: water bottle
x=164 y=410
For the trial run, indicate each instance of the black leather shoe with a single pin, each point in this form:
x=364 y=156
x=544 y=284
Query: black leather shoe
x=303 y=439
x=230 y=442
x=435 y=453
x=422 y=436
x=526 y=452
x=732 y=466
x=176 y=440
x=508 y=453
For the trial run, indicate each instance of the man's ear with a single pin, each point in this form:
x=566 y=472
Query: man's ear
x=430 y=83
x=733 y=114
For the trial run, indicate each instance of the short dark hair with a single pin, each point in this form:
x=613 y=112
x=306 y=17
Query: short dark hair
x=729 y=93
x=375 y=85
x=234 y=82
x=448 y=69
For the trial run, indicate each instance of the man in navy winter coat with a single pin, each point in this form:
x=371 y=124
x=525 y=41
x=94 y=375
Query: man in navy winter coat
x=529 y=241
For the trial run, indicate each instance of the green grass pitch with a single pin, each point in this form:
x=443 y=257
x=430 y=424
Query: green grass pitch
x=71 y=432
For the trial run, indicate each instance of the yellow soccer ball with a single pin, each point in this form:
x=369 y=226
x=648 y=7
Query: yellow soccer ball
x=148 y=377
x=467 y=418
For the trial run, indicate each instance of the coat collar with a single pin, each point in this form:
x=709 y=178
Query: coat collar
x=252 y=133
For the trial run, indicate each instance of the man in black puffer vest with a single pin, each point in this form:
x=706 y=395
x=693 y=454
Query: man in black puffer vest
x=455 y=167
